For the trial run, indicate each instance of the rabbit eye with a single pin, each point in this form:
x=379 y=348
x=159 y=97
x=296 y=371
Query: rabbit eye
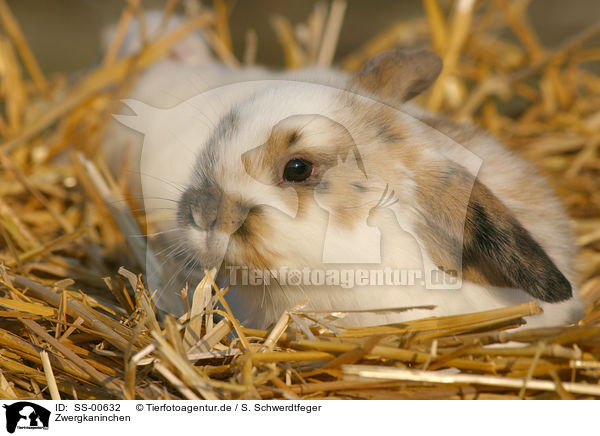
x=297 y=170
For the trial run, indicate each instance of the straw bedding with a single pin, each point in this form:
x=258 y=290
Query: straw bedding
x=77 y=322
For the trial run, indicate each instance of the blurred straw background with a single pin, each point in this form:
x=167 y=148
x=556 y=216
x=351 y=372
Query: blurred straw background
x=75 y=318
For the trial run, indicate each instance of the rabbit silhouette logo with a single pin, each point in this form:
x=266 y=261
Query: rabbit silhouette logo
x=26 y=415
x=202 y=196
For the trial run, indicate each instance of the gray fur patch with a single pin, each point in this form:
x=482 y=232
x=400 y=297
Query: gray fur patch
x=206 y=160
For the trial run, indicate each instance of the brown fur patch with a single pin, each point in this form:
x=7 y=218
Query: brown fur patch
x=248 y=243
x=288 y=140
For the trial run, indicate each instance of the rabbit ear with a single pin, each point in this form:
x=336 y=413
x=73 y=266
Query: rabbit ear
x=496 y=248
x=398 y=75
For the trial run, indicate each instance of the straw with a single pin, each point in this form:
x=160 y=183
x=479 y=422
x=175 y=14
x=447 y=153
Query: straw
x=433 y=377
x=49 y=376
x=78 y=321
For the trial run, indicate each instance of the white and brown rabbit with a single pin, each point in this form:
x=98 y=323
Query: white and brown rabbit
x=319 y=187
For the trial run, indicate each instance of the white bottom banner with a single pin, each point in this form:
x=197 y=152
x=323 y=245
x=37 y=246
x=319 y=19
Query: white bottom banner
x=43 y=418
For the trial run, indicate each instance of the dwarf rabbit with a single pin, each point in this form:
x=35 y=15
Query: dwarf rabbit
x=334 y=191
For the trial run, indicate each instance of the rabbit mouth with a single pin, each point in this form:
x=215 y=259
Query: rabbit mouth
x=208 y=248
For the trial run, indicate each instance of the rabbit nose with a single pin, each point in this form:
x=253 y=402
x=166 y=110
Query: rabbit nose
x=205 y=208
x=210 y=209
x=204 y=218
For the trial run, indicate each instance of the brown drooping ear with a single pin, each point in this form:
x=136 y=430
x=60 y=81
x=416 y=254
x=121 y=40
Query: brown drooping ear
x=398 y=75
x=496 y=248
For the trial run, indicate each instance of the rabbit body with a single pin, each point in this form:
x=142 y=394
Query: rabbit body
x=405 y=215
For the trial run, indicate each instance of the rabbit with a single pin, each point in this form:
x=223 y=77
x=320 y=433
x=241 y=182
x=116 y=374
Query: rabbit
x=334 y=192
